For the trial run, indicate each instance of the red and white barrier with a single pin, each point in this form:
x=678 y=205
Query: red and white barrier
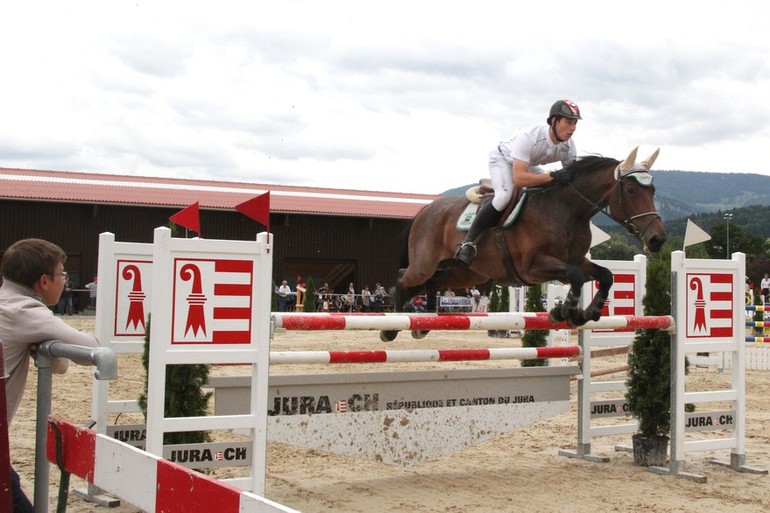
x=422 y=355
x=479 y=321
x=145 y=480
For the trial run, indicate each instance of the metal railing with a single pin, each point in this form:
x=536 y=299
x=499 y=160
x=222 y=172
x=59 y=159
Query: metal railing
x=106 y=365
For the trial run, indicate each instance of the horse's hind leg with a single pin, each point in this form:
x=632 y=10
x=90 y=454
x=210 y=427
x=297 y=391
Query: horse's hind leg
x=399 y=292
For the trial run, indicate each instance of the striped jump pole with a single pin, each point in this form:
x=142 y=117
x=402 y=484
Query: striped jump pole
x=757 y=339
x=479 y=321
x=422 y=355
x=758 y=308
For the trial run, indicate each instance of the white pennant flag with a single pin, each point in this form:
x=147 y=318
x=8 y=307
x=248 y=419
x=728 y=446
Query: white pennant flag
x=598 y=235
x=694 y=234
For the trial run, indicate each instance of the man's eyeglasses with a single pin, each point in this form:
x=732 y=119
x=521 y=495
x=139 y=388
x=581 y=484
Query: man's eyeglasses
x=62 y=274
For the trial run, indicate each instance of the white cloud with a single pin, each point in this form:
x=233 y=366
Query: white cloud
x=406 y=96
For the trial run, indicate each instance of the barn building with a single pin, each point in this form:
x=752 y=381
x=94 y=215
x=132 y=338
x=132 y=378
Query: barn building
x=332 y=235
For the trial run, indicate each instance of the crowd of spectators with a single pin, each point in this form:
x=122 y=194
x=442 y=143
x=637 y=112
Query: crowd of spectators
x=377 y=299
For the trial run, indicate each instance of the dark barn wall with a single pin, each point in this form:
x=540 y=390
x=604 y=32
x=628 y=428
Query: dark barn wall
x=341 y=249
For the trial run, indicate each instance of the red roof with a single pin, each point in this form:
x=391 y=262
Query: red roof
x=26 y=184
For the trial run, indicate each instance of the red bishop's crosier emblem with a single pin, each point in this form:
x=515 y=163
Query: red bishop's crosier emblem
x=700 y=304
x=195 y=300
x=135 y=297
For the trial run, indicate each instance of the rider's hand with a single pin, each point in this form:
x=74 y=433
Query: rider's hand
x=562 y=176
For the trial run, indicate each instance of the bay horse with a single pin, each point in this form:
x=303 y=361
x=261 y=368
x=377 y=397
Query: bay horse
x=548 y=241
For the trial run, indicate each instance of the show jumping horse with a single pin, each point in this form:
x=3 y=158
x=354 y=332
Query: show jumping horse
x=549 y=240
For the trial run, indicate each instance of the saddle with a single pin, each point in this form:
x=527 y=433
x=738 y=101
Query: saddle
x=484 y=192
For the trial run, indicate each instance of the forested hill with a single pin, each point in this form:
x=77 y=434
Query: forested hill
x=710 y=192
x=705 y=197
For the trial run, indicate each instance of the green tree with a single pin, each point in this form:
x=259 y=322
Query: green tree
x=497 y=303
x=494 y=298
x=534 y=338
x=649 y=361
x=740 y=241
x=505 y=300
x=310 y=295
x=619 y=247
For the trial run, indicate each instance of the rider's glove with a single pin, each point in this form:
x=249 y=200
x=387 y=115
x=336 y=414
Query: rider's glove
x=562 y=176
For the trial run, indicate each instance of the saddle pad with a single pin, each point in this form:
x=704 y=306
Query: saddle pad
x=469 y=214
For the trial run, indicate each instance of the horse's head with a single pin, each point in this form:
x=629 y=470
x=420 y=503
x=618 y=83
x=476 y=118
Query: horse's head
x=633 y=205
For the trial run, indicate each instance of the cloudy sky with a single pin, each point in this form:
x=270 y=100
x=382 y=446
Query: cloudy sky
x=403 y=96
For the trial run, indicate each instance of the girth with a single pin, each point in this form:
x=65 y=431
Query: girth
x=505 y=256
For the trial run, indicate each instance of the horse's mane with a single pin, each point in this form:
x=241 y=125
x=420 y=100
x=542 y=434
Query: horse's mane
x=589 y=163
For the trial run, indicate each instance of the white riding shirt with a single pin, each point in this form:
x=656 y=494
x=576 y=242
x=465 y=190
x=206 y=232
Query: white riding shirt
x=532 y=145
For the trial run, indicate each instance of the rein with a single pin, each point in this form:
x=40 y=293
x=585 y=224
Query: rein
x=628 y=222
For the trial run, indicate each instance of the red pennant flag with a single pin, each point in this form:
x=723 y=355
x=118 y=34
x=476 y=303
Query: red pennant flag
x=189 y=218
x=257 y=208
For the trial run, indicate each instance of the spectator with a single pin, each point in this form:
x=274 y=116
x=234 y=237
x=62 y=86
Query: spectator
x=92 y=289
x=350 y=298
x=366 y=297
x=323 y=296
x=476 y=295
x=749 y=291
x=418 y=304
x=65 y=302
x=379 y=297
x=765 y=286
x=34 y=280
x=283 y=292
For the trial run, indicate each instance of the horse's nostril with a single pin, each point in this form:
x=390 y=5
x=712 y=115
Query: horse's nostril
x=656 y=243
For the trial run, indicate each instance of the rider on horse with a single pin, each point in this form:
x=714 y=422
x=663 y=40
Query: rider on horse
x=516 y=162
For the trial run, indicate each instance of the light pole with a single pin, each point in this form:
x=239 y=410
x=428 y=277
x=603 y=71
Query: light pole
x=727 y=220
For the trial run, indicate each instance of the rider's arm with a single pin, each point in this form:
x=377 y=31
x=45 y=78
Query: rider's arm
x=523 y=178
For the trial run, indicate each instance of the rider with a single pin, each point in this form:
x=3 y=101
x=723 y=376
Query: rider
x=516 y=162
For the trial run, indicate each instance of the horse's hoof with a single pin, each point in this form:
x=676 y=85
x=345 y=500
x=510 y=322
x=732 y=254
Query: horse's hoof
x=592 y=315
x=388 y=335
x=420 y=334
x=555 y=315
x=577 y=319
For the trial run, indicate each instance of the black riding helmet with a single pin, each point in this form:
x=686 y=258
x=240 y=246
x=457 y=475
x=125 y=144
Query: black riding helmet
x=564 y=109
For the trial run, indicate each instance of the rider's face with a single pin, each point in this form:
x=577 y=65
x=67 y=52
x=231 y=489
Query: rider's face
x=565 y=127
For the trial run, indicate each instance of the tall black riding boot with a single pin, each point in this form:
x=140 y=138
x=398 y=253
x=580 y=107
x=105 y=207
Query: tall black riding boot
x=486 y=217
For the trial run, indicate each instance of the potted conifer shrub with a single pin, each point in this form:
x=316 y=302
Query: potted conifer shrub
x=534 y=338
x=649 y=374
x=498 y=302
x=311 y=296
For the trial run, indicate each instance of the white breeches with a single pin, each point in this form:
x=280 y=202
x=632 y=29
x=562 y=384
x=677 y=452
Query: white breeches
x=501 y=173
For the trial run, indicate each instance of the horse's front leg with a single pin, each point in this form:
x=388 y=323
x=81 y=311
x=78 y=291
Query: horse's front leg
x=569 y=310
x=605 y=279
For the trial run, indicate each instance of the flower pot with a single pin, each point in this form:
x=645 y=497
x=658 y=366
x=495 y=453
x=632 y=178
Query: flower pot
x=650 y=451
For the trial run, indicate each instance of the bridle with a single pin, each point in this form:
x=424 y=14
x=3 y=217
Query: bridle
x=628 y=220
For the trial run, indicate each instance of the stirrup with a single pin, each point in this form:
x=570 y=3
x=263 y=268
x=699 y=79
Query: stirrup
x=466 y=259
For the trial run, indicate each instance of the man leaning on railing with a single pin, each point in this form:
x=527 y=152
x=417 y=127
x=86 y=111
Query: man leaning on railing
x=34 y=278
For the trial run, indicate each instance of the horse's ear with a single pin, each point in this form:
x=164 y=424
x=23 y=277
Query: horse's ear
x=651 y=159
x=628 y=164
